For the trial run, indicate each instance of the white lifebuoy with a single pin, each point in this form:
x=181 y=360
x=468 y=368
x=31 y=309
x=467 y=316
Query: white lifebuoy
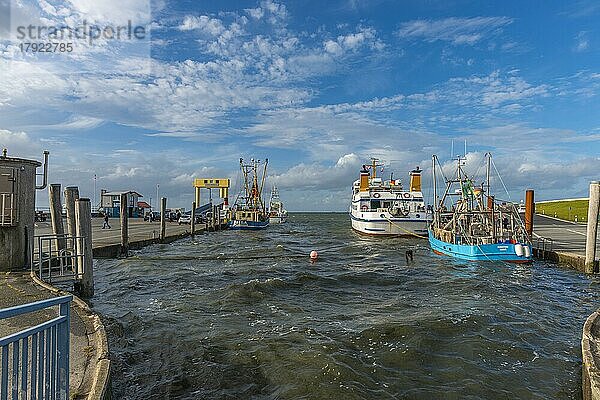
x=376 y=195
x=406 y=195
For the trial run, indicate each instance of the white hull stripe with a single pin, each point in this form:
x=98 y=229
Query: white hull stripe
x=423 y=220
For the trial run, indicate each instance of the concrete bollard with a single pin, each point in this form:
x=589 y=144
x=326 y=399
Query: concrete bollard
x=71 y=194
x=124 y=225
x=56 y=216
x=529 y=211
x=85 y=263
x=163 y=220
x=592 y=227
x=193 y=225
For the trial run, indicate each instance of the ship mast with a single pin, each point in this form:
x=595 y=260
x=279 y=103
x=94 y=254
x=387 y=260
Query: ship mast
x=253 y=191
x=435 y=202
x=489 y=161
x=262 y=185
x=374 y=166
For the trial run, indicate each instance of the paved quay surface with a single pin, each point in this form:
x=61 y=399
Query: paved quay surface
x=138 y=230
x=567 y=236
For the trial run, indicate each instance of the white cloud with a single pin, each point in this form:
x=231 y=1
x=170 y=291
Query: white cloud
x=581 y=8
x=319 y=176
x=581 y=42
x=19 y=144
x=364 y=36
x=256 y=13
x=458 y=31
x=208 y=25
x=113 y=11
x=74 y=123
x=278 y=12
x=333 y=47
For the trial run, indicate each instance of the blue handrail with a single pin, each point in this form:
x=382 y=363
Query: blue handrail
x=39 y=367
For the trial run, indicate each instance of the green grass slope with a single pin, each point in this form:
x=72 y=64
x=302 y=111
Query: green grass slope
x=567 y=210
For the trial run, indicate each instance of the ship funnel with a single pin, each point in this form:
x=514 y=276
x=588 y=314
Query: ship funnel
x=364 y=179
x=415 y=180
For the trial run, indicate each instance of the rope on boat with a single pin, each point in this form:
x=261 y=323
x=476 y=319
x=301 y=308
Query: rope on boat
x=405 y=230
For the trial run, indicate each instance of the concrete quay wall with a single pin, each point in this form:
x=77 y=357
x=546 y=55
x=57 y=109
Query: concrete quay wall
x=590 y=352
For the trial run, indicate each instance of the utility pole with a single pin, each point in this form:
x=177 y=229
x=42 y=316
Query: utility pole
x=95 y=204
x=157 y=192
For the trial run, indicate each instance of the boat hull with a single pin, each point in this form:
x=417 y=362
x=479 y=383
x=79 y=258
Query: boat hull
x=241 y=225
x=485 y=252
x=390 y=226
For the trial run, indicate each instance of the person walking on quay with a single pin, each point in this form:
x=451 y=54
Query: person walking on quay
x=105 y=225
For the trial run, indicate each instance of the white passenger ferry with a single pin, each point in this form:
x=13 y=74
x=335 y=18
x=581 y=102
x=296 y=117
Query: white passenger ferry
x=385 y=208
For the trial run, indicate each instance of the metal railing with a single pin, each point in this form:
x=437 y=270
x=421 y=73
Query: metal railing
x=544 y=244
x=59 y=257
x=8 y=216
x=38 y=355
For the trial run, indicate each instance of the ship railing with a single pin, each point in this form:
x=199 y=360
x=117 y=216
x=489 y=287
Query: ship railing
x=39 y=354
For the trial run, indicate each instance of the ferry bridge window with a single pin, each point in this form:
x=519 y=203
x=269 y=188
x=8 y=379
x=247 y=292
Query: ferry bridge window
x=375 y=204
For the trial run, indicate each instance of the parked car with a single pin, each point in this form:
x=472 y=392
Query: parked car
x=185 y=219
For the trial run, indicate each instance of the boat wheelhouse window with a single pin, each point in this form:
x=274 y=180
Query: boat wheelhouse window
x=375 y=204
x=386 y=204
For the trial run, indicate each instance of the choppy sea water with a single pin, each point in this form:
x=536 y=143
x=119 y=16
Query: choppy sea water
x=245 y=315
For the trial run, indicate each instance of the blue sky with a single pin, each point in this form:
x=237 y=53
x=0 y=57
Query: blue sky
x=317 y=87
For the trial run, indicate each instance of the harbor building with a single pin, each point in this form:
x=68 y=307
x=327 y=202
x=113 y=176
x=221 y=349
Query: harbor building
x=110 y=202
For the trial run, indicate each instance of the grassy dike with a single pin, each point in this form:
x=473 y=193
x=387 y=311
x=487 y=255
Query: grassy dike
x=564 y=209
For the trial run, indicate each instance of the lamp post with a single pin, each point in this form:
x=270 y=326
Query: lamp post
x=95 y=205
x=157 y=191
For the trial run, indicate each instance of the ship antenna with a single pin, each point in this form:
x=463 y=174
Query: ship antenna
x=489 y=161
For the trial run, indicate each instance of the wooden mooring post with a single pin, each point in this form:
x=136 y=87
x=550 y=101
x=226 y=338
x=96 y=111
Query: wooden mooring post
x=592 y=227
x=71 y=194
x=529 y=211
x=56 y=216
x=214 y=218
x=193 y=223
x=85 y=263
x=163 y=218
x=124 y=214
